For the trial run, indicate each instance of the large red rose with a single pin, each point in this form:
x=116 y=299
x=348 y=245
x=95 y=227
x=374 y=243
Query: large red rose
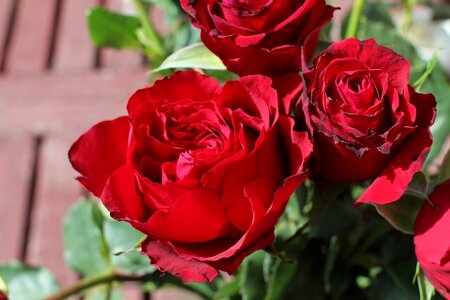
x=432 y=238
x=204 y=171
x=269 y=37
x=366 y=121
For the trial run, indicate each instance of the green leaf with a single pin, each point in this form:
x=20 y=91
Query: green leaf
x=110 y=29
x=438 y=85
x=291 y=220
x=398 y=264
x=252 y=277
x=195 y=56
x=121 y=237
x=426 y=289
x=338 y=217
x=430 y=67
x=444 y=172
x=402 y=213
x=278 y=276
x=28 y=283
x=3 y=286
x=85 y=248
x=388 y=36
x=228 y=289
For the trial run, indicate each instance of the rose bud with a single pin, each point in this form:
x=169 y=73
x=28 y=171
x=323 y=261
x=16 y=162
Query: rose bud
x=260 y=37
x=432 y=238
x=204 y=171
x=366 y=121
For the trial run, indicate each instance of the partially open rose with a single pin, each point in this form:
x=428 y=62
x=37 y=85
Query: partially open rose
x=269 y=37
x=204 y=171
x=432 y=240
x=366 y=121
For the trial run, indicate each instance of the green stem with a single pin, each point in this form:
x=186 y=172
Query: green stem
x=407 y=16
x=94 y=280
x=355 y=16
x=153 y=40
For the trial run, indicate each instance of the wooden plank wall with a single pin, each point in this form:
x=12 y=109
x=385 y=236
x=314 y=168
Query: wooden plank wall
x=54 y=85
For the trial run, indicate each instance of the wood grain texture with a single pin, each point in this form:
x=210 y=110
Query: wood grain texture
x=6 y=7
x=16 y=159
x=56 y=192
x=30 y=44
x=65 y=103
x=74 y=50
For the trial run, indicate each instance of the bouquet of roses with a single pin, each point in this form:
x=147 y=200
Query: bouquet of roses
x=305 y=154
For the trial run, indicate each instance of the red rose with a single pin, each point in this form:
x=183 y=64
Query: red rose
x=432 y=239
x=260 y=37
x=204 y=171
x=366 y=121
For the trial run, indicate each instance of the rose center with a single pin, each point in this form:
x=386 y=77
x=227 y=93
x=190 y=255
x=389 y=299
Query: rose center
x=247 y=8
x=358 y=83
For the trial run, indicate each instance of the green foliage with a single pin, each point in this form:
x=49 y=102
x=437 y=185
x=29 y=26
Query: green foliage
x=3 y=286
x=120 y=236
x=85 y=249
x=26 y=282
x=426 y=289
x=95 y=242
x=444 y=173
x=438 y=84
x=397 y=261
x=265 y=276
x=429 y=68
x=402 y=214
x=111 y=29
x=252 y=277
x=388 y=36
x=195 y=56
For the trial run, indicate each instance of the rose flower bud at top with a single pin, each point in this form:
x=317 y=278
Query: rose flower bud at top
x=432 y=238
x=204 y=171
x=269 y=37
x=366 y=121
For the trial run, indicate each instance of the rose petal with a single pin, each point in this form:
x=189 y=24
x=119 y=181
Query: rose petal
x=189 y=85
x=196 y=216
x=393 y=181
x=99 y=152
x=288 y=88
x=432 y=227
x=165 y=259
x=375 y=57
x=390 y=185
x=122 y=197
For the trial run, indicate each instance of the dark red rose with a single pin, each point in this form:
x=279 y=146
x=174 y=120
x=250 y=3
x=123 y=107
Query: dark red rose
x=269 y=37
x=432 y=238
x=204 y=171
x=366 y=121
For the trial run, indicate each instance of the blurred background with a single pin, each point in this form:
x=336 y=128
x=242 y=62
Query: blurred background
x=54 y=85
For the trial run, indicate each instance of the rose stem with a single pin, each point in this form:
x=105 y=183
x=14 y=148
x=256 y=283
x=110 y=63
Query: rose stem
x=94 y=280
x=112 y=276
x=355 y=16
x=155 y=49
